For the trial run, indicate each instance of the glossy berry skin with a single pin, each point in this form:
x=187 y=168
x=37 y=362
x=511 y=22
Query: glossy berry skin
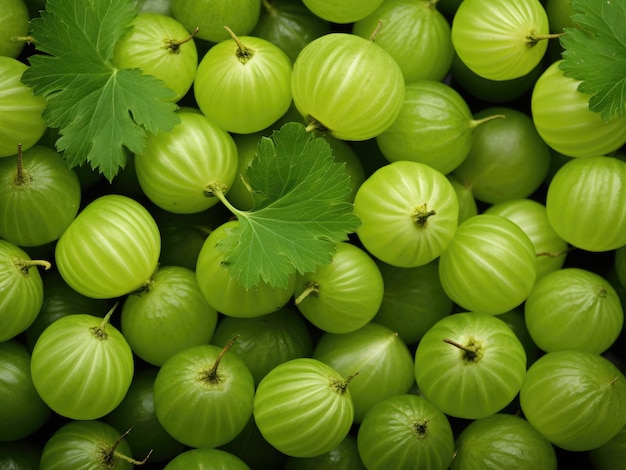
x=162 y=47
x=347 y=85
x=243 y=84
x=562 y=117
x=22 y=411
x=303 y=407
x=419 y=24
x=210 y=16
x=502 y=440
x=120 y=239
x=20 y=110
x=199 y=404
x=585 y=203
x=175 y=167
x=344 y=12
x=21 y=290
x=409 y=213
x=39 y=203
x=576 y=399
x=344 y=295
x=91 y=363
x=470 y=365
x=405 y=431
x=488 y=250
x=497 y=39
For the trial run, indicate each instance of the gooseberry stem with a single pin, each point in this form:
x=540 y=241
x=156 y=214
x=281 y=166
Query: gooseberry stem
x=114 y=452
x=211 y=375
x=310 y=288
x=474 y=123
x=20 y=178
x=244 y=54
x=174 y=44
x=376 y=30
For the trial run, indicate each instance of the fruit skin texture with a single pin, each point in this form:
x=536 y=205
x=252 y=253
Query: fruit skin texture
x=21 y=291
x=346 y=11
x=384 y=363
x=532 y=217
x=210 y=16
x=110 y=249
x=576 y=399
x=13 y=23
x=206 y=459
x=562 y=117
x=347 y=292
x=20 y=109
x=175 y=167
x=507 y=159
x=83 y=445
x=488 y=251
x=22 y=411
x=148 y=46
x=395 y=204
x=419 y=24
x=79 y=372
x=290 y=25
x=349 y=85
x=502 y=441
x=434 y=127
x=244 y=87
x=405 y=431
x=491 y=36
x=585 y=203
x=197 y=408
x=38 y=209
x=470 y=386
x=170 y=315
x=573 y=308
x=303 y=408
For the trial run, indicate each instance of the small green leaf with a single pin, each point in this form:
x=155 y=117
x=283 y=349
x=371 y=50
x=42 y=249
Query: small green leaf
x=300 y=210
x=595 y=53
x=99 y=110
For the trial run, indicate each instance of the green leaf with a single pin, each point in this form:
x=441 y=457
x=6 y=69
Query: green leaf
x=595 y=53
x=300 y=210
x=100 y=110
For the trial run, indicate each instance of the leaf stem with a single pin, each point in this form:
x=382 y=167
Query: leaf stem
x=216 y=189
